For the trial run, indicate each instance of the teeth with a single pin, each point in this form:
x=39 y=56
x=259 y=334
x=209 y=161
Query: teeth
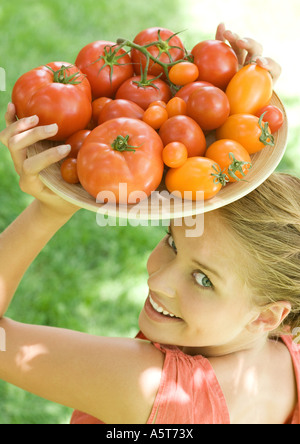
x=160 y=309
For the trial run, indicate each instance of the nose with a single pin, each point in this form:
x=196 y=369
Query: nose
x=164 y=281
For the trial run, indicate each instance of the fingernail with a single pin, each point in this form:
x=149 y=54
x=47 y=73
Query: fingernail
x=262 y=60
x=33 y=119
x=64 y=149
x=51 y=128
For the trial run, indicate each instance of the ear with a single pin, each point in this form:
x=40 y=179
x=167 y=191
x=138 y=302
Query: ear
x=270 y=317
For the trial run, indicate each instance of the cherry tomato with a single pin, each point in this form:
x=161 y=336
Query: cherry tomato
x=176 y=107
x=249 y=90
x=209 y=107
x=144 y=94
x=247 y=130
x=124 y=151
x=105 y=66
x=165 y=47
x=216 y=61
x=273 y=115
x=183 y=73
x=49 y=92
x=198 y=174
x=185 y=92
x=69 y=170
x=120 y=108
x=175 y=154
x=97 y=106
x=76 y=141
x=155 y=116
x=232 y=157
x=185 y=130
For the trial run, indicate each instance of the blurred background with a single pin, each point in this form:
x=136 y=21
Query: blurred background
x=89 y=278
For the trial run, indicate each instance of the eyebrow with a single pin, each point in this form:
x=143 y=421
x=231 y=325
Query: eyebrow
x=202 y=266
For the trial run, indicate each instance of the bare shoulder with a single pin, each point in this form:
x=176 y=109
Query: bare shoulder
x=259 y=389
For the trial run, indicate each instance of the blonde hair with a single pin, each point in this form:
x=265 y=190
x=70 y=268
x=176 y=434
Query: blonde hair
x=267 y=223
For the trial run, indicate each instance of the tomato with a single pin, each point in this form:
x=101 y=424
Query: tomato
x=97 y=106
x=185 y=130
x=175 y=154
x=165 y=46
x=198 y=174
x=176 y=107
x=144 y=93
x=159 y=103
x=57 y=93
x=273 y=115
x=155 y=116
x=249 y=90
x=209 y=107
x=125 y=151
x=69 y=171
x=183 y=73
x=216 y=61
x=185 y=92
x=233 y=159
x=120 y=108
x=105 y=66
x=76 y=141
x=247 y=130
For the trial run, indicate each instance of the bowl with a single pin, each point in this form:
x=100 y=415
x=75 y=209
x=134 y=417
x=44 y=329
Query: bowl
x=161 y=204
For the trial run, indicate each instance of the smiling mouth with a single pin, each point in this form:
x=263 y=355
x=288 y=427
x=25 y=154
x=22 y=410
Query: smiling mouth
x=161 y=310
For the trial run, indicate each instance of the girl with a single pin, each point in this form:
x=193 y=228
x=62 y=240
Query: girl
x=224 y=305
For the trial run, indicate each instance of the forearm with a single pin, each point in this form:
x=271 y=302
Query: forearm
x=20 y=244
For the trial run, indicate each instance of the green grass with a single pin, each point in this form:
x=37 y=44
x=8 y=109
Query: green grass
x=88 y=278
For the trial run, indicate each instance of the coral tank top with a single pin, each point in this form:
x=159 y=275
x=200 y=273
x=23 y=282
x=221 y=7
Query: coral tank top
x=190 y=393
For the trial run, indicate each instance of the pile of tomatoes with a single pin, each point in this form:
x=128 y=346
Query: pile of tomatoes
x=137 y=112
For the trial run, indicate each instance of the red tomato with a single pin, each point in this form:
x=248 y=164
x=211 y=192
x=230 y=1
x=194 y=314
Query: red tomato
x=57 y=93
x=185 y=130
x=233 y=159
x=209 y=107
x=198 y=174
x=155 y=116
x=98 y=106
x=273 y=115
x=247 y=130
x=175 y=154
x=216 y=61
x=185 y=92
x=69 y=171
x=161 y=50
x=120 y=108
x=121 y=150
x=76 y=141
x=105 y=66
x=184 y=73
x=249 y=90
x=144 y=94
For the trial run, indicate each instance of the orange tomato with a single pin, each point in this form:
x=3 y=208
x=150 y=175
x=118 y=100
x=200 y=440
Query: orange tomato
x=249 y=90
x=232 y=157
x=250 y=131
x=155 y=116
x=158 y=103
x=175 y=154
x=198 y=179
x=176 y=107
x=184 y=73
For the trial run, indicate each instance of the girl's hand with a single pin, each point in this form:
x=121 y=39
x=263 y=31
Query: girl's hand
x=18 y=136
x=248 y=50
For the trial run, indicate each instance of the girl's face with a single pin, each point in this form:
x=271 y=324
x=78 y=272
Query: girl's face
x=198 y=299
